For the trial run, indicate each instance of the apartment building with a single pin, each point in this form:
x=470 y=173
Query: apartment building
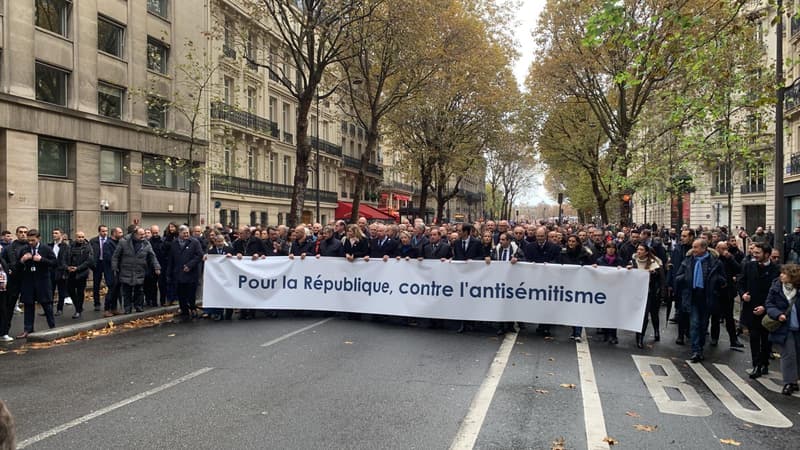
x=85 y=134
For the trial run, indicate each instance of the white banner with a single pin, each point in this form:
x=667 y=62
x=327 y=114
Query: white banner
x=500 y=292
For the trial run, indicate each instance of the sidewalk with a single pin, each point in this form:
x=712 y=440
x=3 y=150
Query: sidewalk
x=67 y=326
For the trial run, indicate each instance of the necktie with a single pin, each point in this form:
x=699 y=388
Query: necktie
x=505 y=254
x=102 y=243
x=33 y=251
x=465 y=245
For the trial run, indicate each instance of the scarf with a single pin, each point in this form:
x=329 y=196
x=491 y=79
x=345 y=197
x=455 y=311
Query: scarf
x=647 y=263
x=610 y=260
x=697 y=277
x=789 y=291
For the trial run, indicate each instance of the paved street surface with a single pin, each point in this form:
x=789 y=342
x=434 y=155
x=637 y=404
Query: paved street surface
x=329 y=383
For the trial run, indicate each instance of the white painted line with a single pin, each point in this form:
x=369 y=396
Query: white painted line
x=108 y=409
x=692 y=404
x=472 y=423
x=296 y=332
x=766 y=415
x=593 y=418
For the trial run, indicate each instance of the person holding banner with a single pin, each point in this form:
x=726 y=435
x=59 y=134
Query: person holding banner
x=247 y=245
x=644 y=259
x=575 y=255
x=219 y=247
x=355 y=243
x=301 y=244
x=505 y=250
x=610 y=259
x=329 y=245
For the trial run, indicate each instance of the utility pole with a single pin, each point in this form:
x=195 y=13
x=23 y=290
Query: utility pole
x=779 y=202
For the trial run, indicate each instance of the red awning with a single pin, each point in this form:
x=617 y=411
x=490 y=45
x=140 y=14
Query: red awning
x=402 y=197
x=345 y=209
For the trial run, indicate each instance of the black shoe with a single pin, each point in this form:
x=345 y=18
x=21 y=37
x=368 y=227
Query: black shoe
x=613 y=341
x=639 y=340
x=657 y=336
x=58 y=313
x=673 y=320
x=736 y=344
x=714 y=342
x=461 y=329
x=788 y=389
x=764 y=370
x=696 y=357
x=501 y=332
x=128 y=310
x=77 y=315
x=755 y=373
x=680 y=341
x=139 y=309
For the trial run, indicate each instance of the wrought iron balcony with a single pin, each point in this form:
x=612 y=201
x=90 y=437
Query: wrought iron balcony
x=327 y=147
x=795 y=26
x=351 y=162
x=288 y=137
x=721 y=190
x=791 y=96
x=754 y=188
x=229 y=113
x=228 y=51
x=243 y=186
x=374 y=169
x=794 y=165
x=398 y=186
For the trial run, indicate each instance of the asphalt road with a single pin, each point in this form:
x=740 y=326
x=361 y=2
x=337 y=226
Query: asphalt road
x=317 y=383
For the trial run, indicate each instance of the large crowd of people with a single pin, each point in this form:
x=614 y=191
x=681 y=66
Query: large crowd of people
x=698 y=274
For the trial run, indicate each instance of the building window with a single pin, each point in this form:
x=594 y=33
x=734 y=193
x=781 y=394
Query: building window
x=286 y=110
x=156 y=112
x=158 y=7
x=252 y=97
x=112 y=166
x=110 y=37
x=223 y=217
x=53 y=15
x=253 y=218
x=234 y=218
x=280 y=218
x=53 y=158
x=272 y=167
x=286 y=170
x=754 y=179
x=172 y=174
x=273 y=105
x=157 y=53
x=114 y=219
x=109 y=100
x=51 y=84
x=264 y=219
x=251 y=163
x=49 y=220
x=228 y=90
x=227 y=156
x=722 y=179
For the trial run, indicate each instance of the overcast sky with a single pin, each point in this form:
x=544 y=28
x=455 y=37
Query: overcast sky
x=527 y=18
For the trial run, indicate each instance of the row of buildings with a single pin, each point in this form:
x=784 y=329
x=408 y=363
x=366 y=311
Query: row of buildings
x=750 y=191
x=86 y=138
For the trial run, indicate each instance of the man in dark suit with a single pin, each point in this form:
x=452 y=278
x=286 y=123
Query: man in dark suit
x=542 y=251
x=466 y=247
x=58 y=274
x=247 y=245
x=35 y=262
x=113 y=288
x=97 y=244
x=419 y=240
x=382 y=245
x=186 y=257
x=222 y=249
x=437 y=248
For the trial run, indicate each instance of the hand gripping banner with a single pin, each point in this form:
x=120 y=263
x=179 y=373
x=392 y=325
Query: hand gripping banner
x=586 y=296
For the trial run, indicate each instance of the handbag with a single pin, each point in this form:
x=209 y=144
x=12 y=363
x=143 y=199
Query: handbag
x=771 y=324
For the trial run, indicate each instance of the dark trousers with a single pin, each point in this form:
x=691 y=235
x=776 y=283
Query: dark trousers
x=652 y=311
x=8 y=300
x=162 y=288
x=760 y=347
x=132 y=296
x=112 y=297
x=97 y=278
x=186 y=297
x=724 y=311
x=698 y=320
x=60 y=286
x=30 y=313
x=151 y=290
x=76 y=288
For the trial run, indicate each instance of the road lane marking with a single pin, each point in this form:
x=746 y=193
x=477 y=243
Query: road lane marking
x=766 y=415
x=472 y=423
x=592 y=408
x=80 y=420
x=774 y=382
x=692 y=405
x=296 y=332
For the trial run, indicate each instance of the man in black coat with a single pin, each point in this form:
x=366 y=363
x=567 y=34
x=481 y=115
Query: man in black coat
x=35 y=263
x=466 y=247
x=542 y=251
x=723 y=309
x=59 y=273
x=382 y=245
x=329 y=245
x=677 y=256
x=14 y=282
x=98 y=242
x=113 y=287
x=79 y=262
x=753 y=285
x=185 y=258
x=700 y=278
x=301 y=244
x=248 y=245
x=222 y=249
x=437 y=248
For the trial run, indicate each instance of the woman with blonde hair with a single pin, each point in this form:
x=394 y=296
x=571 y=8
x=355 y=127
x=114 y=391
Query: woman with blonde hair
x=356 y=244
x=781 y=305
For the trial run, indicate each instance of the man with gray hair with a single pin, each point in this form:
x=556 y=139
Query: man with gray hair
x=132 y=259
x=185 y=260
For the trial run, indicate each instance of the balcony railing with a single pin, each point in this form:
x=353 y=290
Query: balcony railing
x=399 y=186
x=228 y=51
x=795 y=26
x=288 y=137
x=791 y=97
x=243 y=186
x=327 y=147
x=355 y=163
x=375 y=169
x=754 y=188
x=794 y=165
x=721 y=190
x=228 y=113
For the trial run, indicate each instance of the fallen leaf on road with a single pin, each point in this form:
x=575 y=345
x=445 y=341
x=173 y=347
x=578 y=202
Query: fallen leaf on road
x=610 y=441
x=558 y=444
x=730 y=442
x=568 y=386
x=549 y=338
x=747 y=425
x=647 y=374
x=171 y=335
x=551 y=359
x=542 y=391
x=348 y=342
x=19 y=351
x=648 y=428
x=631 y=414
x=551 y=374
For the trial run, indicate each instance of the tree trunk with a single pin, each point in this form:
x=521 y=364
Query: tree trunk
x=190 y=174
x=303 y=154
x=425 y=181
x=372 y=143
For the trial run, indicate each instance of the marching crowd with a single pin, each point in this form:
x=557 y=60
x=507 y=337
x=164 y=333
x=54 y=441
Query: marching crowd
x=699 y=274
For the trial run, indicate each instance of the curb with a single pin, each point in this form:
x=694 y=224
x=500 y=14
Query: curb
x=97 y=324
